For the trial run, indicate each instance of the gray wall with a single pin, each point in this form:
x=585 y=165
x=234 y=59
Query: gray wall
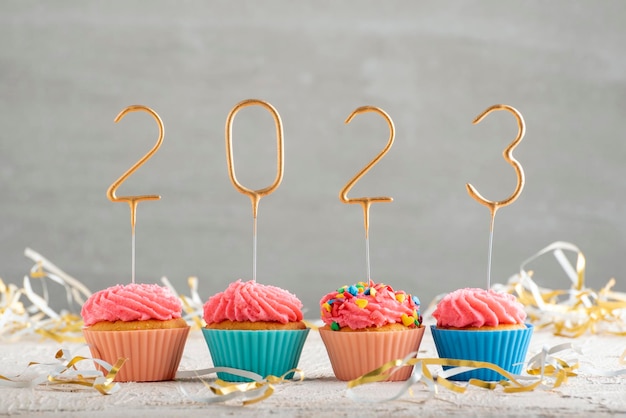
x=67 y=68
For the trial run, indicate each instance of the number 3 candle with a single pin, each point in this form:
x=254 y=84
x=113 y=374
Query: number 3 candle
x=508 y=156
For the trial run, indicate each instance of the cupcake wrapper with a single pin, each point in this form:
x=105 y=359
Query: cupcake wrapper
x=506 y=348
x=152 y=354
x=265 y=352
x=352 y=354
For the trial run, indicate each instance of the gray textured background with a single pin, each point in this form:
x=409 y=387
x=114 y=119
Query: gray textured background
x=67 y=68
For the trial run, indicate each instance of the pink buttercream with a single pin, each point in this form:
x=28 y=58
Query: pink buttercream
x=366 y=305
x=478 y=308
x=251 y=301
x=132 y=302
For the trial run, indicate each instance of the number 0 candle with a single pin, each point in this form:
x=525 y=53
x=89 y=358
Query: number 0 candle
x=255 y=195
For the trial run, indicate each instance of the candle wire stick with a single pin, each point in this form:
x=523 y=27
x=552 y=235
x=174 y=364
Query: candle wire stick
x=134 y=200
x=519 y=171
x=255 y=195
x=366 y=202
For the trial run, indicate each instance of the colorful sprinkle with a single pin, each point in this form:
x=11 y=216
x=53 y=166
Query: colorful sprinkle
x=361 y=303
x=334 y=326
x=340 y=296
x=416 y=300
x=326 y=306
x=353 y=291
x=407 y=320
x=400 y=297
x=372 y=291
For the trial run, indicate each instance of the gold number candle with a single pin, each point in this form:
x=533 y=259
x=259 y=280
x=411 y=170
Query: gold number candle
x=366 y=202
x=493 y=206
x=255 y=195
x=133 y=200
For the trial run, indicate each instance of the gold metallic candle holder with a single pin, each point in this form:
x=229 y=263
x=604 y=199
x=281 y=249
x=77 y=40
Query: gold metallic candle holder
x=366 y=202
x=493 y=206
x=255 y=195
x=134 y=200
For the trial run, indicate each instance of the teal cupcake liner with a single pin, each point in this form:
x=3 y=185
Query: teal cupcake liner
x=265 y=352
x=506 y=348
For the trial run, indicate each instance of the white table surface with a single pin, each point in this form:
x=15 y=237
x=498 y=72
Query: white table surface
x=320 y=394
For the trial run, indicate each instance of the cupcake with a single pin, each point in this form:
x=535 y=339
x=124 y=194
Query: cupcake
x=367 y=325
x=482 y=325
x=139 y=322
x=254 y=327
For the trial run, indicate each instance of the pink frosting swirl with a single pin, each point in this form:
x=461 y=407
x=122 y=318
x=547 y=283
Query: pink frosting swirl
x=131 y=302
x=251 y=301
x=478 y=308
x=364 y=305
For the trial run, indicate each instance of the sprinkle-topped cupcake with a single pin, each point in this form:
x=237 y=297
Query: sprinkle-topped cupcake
x=376 y=324
x=370 y=307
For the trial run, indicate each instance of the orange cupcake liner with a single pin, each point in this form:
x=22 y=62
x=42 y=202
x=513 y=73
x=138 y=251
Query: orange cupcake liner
x=152 y=355
x=352 y=354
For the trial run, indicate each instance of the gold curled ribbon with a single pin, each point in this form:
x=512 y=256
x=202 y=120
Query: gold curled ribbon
x=17 y=321
x=571 y=312
x=65 y=372
x=259 y=389
x=422 y=374
x=545 y=371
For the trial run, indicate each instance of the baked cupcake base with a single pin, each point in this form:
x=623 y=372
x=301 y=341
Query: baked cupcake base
x=265 y=352
x=505 y=348
x=256 y=325
x=352 y=354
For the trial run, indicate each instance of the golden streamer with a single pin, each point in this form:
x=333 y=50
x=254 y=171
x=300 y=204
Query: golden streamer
x=545 y=371
x=570 y=312
x=17 y=320
x=259 y=389
x=65 y=372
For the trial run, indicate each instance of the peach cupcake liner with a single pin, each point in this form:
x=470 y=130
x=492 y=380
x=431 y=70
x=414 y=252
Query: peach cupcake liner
x=152 y=355
x=352 y=354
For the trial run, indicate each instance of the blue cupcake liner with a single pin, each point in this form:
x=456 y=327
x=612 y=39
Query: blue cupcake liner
x=506 y=348
x=265 y=352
